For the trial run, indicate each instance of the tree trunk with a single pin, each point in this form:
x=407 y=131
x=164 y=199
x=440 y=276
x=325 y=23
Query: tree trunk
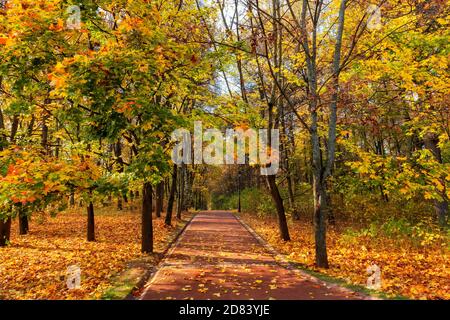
x=44 y=135
x=282 y=223
x=58 y=140
x=119 y=161
x=132 y=199
x=318 y=195
x=188 y=199
x=329 y=206
x=23 y=224
x=119 y=203
x=14 y=128
x=72 y=200
x=285 y=152
x=90 y=222
x=173 y=188
x=159 y=198
x=180 y=193
x=441 y=209
x=146 y=217
x=319 y=224
x=295 y=214
x=5 y=231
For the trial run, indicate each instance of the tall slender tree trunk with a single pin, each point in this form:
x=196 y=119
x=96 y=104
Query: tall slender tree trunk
x=319 y=189
x=181 y=192
x=14 y=127
x=119 y=160
x=188 y=192
x=23 y=223
x=5 y=231
x=58 y=140
x=72 y=199
x=173 y=188
x=195 y=200
x=132 y=199
x=319 y=215
x=291 y=199
x=319 y=223
x=90 y=222
x=275 y=193
x=285 y=154
x=119 y=203
x=320 y=171
x=147 y=219
x=159 y=198
x=330 y=213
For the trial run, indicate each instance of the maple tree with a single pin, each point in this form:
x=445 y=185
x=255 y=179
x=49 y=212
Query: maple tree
x=119 y=83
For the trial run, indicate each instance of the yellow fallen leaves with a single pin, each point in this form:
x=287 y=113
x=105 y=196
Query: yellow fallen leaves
x=34 y=266
x=406 y=269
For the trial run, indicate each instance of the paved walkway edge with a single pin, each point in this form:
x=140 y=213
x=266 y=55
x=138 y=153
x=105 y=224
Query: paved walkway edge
x=282 y=261
x=148 y=282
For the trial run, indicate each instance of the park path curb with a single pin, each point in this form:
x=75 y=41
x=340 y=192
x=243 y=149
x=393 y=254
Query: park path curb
x=144 y=268
x=146 y=283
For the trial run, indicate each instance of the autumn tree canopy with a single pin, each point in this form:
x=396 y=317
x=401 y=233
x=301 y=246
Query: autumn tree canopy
x=90 y=93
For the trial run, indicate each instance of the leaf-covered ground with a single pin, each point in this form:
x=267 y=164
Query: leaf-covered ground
x=419 y=272
x=218 y=258
x=34 y=266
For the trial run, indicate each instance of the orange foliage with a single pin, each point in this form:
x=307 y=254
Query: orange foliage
x=34 y=266
x=407 y=270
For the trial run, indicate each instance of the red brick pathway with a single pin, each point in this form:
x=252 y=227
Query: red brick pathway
x=217 y=258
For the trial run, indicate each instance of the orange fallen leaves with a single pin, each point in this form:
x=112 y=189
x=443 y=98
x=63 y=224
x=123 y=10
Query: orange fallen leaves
x=407 y=270
x=34 y=266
